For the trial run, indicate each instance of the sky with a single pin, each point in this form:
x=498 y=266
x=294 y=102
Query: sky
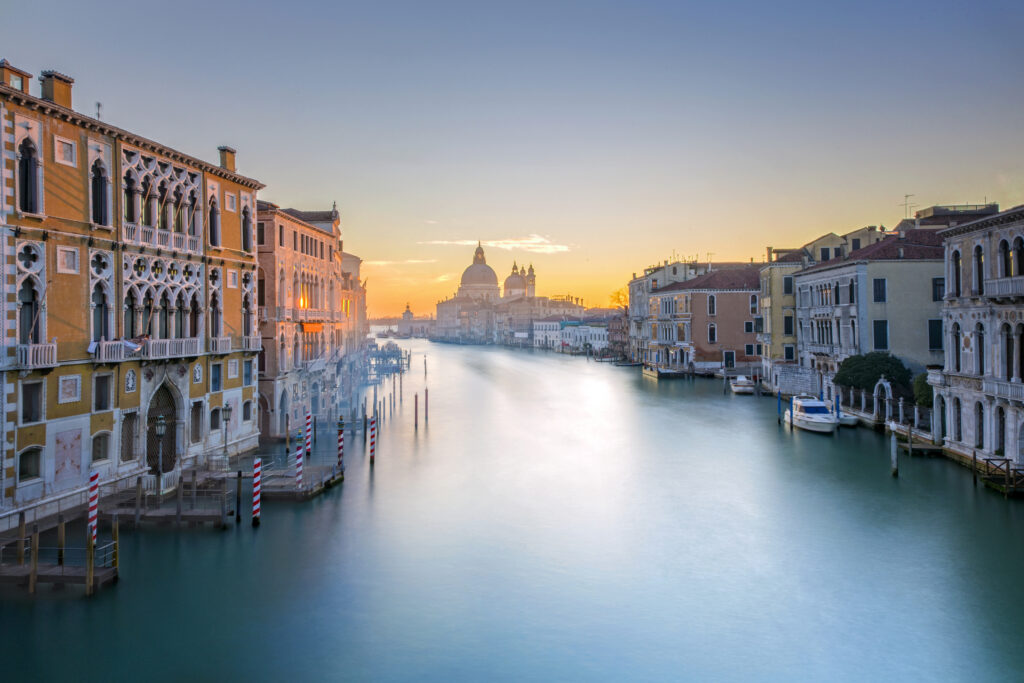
x=590 y=139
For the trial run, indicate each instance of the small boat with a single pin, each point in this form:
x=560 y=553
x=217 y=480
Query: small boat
x=741 y=384
x=655 y=372
x=627 y=364
x=811 y=414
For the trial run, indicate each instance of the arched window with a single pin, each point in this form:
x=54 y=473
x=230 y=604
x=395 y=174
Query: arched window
x=214 y=316
x=282 y=355
x=281 y=290
x=1018 y=257
x=261 y=290
x=147 y=202
x=101 y=447
x=28 y=177
x=956 y=347
x=958 y=433
x=979 y=338
x=246 y=317
x=712 y=333
x=29 y=464
x=1007 y=335
x=179 y=210
x=979 y=425
x=130 y=210
x=194 y=314
x=192 y=213
x=1000 y=444
x=979 y=270
x=247 y=411
x=100 y=314
x=711 y=304
x=214 y=223
x=246 y=230
x=853 y=334
x=162 y=207
x=853 y=292
x=164 y=317
x=129 y=428
x=28 y=313
x=99 y=194
x=1005 y=260
x=296 y=352
x=179 y=316
x=131 y=306
x=956 y=265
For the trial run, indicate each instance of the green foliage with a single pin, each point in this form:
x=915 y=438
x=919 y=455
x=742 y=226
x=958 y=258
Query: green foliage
x=863 y=372
x=922 y=390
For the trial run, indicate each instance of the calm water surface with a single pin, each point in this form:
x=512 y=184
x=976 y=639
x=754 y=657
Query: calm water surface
x=566 y=520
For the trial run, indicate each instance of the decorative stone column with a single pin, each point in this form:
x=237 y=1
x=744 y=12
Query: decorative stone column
x=901 y=410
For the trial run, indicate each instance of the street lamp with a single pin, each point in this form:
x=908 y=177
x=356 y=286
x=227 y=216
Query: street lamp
x=224 y=424
x=160 y=428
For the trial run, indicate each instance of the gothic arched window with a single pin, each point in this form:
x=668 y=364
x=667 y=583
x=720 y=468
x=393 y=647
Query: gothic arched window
x=99 y=194
x=28 y=313
x=214 y=223
x=100 y=314
x=246 y=230
x=28 y=179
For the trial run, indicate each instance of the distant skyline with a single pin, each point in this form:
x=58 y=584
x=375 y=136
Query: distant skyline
x=588 y=138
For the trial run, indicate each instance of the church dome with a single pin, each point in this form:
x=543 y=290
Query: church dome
x=479 y=273
x=515 y=280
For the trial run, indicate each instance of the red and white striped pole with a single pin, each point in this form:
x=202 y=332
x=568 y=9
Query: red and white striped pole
x=341 y=445
x=298 y=460
x=94 y=503
x=309 y=434
x=373 y=437
x=257 y=486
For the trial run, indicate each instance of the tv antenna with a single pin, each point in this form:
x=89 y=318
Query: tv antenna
x=907 y=205
x=99 y=107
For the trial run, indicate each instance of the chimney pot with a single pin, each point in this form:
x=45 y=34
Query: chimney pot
x=56 y=87
x=227 y=158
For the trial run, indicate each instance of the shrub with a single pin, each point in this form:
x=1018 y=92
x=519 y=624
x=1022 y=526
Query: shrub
x=922 y=390
x=864 y=371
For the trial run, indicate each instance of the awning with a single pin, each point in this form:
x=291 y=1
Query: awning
x=312 y=327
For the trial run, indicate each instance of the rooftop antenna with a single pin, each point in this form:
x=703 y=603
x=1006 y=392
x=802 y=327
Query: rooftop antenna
x=907 y=205
x=99 y=107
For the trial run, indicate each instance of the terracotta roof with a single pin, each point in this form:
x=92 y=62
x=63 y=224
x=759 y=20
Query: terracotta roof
x=793 y=256
x=745 y=278
x=311 y=216
x=922 y=244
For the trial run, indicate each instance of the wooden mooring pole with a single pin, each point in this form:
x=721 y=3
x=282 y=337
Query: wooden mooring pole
x=60 y=540
x=21 y=538
x=238 y=499
x=416 y=412
x=892 y=454
x=426 y=405
x=34 y=567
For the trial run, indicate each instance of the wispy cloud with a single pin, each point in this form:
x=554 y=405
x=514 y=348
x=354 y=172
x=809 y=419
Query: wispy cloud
x=406 y=262
x=430 y=222
x=443 y=278
x=535 y=244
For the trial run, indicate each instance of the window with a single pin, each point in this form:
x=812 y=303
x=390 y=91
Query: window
x=29 y=463
x=247 y=411
x=748 y=350
x=879 y=290
x=196 y=422
x=31 y=402
x=712 y=334
x=259 y=233
x=214 y=224
x=101 y=392
x=979 y=425
x=215 y=419
x=955 y=334
x=233 y=279
x=788 y=352
x=67 y=260
x=17 y=82
x=64 y=151
x=99 y=194
x=753 y=304
x=979 y=345
x=247 y=372
x=28 y=178
x=280 y=235
x=729 y=359
x=129 y=428
x=787 y=284
x=881 y=329
x=824 y=253
x=934 y=335
x=100 y=447
x=855 y=243
x=711 y=304
x=295 y=241
x=759 y=350
x=956 y=265
x=230 y=201
x=748 y=327
x=247 y=230
x=215 y=372
x=979 y=270
x=787 y=325
x=938 y=288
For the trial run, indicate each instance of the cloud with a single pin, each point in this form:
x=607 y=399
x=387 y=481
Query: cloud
x=429 y=222
x=535 y=244
x=444 y=278
x=406 y=262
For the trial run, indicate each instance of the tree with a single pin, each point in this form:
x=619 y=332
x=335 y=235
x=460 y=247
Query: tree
x=922 y=390
x=619 y=298
x=864 y=371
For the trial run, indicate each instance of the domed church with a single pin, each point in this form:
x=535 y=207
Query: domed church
x=479 y=280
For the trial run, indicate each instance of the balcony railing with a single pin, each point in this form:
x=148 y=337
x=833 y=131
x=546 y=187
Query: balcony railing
x=252 y=343
x=154 y=237
x=1004 y=287
x=220 y=345
x=110 y=352
x=170 y=348
x=822 y=348
x=37 y=355
x=1000 y=388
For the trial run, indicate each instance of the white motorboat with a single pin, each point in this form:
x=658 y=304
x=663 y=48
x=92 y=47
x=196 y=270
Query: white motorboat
x=741 y=384
x=811 y=414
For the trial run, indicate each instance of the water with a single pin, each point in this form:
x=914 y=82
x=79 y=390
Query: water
x=560 y=519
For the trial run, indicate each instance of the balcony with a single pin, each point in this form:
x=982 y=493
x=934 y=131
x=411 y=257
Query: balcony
x=1000 y=388
x=827 y=349
x=252 y=343
x=220 y=344
x=154 y=237
x=170 y=348
x=1004 y=287
x=37 y=355
x=113 y=352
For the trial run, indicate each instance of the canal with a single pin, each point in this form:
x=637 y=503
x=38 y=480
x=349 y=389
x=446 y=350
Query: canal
x=560 y=519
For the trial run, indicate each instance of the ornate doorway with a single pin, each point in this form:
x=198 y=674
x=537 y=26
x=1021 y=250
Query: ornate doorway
x=163 y=404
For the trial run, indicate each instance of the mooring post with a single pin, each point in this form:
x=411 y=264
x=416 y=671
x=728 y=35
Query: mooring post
x=138 y=501
x=892 y=454
x=34 y=568
x=117 y=541
x=177 y=503
x=90 y=561
x=257 y=482
x=238 y=499
x=416 y=412
x=778 y=408
x=224 y=503
x=287 y=434
x=21 y=538
x=426 y=405
x=60 y=540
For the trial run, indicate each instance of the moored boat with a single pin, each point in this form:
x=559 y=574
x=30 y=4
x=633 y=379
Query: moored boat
x=655 y=372
x=811 y=414
x=741 y=384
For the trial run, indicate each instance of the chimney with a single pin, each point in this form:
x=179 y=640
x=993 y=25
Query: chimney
x=227 y=158
x=769 y=253
x=56 y=88
x=14 y=78
x=899 y=253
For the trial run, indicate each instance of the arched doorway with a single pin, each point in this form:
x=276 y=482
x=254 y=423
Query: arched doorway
x=282 y=414
x=264 y=417
x=162 y=404
x=314 y=399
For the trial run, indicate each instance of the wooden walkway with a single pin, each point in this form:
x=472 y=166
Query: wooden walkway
x=56 y=574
